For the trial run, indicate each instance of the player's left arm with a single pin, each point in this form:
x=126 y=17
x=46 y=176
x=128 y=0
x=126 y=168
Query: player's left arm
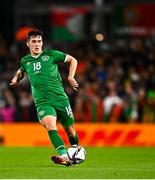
x=72 y=70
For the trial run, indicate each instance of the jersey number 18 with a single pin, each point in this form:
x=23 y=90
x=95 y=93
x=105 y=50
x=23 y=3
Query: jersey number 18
x=36 y=66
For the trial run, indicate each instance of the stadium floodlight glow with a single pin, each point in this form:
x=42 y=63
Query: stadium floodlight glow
x=99 y=37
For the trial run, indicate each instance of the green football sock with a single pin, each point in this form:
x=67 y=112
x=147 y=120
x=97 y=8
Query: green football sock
x=73 y=140
x=57 y=142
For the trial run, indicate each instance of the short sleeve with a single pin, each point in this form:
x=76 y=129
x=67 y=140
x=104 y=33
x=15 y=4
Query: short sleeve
x=22 y=68
x=59 y=56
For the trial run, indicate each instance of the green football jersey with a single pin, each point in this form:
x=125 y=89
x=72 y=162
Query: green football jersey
x=45 y=79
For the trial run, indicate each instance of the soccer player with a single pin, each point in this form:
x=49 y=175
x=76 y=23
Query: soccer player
x=50 y=99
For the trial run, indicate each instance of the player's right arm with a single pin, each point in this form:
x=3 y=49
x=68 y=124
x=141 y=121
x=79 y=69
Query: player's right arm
x=18 y=77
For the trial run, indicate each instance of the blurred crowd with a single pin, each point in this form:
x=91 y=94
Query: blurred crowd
x=117 y=81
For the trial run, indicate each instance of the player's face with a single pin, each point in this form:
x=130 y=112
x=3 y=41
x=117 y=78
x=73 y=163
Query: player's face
x=35 y=44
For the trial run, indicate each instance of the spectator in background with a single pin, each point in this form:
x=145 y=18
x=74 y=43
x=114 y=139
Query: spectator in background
x=7 y=110
x=130 y=104
x=26 y=104
x=142 y=102
x=112 y=103
x=149 y=110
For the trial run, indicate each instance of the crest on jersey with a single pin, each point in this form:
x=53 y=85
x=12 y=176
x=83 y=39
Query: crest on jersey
x=28 y=63
x=45 y=58
x=41 y=112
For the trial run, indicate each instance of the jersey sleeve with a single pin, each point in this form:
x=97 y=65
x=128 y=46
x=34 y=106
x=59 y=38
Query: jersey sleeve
x=59 y=56
x=22 y=68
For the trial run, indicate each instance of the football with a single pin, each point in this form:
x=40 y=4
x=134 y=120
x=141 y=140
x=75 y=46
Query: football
x=77 y=154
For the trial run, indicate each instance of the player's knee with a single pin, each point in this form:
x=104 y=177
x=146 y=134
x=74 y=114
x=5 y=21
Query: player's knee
x=49 y=125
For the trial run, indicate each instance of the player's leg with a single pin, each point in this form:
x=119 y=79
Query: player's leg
x=66 y=118
x=71 y=133
x=49 y=122
x=47 y=117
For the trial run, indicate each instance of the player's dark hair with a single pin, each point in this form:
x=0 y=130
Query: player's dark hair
x=34 y=33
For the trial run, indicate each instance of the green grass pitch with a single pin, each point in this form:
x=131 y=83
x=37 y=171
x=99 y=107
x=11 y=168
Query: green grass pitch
x=103 y=163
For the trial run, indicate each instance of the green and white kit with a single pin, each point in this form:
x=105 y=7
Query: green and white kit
x=46 y=85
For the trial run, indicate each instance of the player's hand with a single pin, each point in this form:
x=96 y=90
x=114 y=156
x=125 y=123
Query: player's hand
x=73 y=83
x=14 y=82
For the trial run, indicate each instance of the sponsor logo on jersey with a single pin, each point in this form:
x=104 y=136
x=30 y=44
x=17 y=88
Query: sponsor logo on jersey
x=45 y=58
x=36 y=72
x=41 y=112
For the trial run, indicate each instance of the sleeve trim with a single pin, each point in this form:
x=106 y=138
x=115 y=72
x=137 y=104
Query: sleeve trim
x=65 y=58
